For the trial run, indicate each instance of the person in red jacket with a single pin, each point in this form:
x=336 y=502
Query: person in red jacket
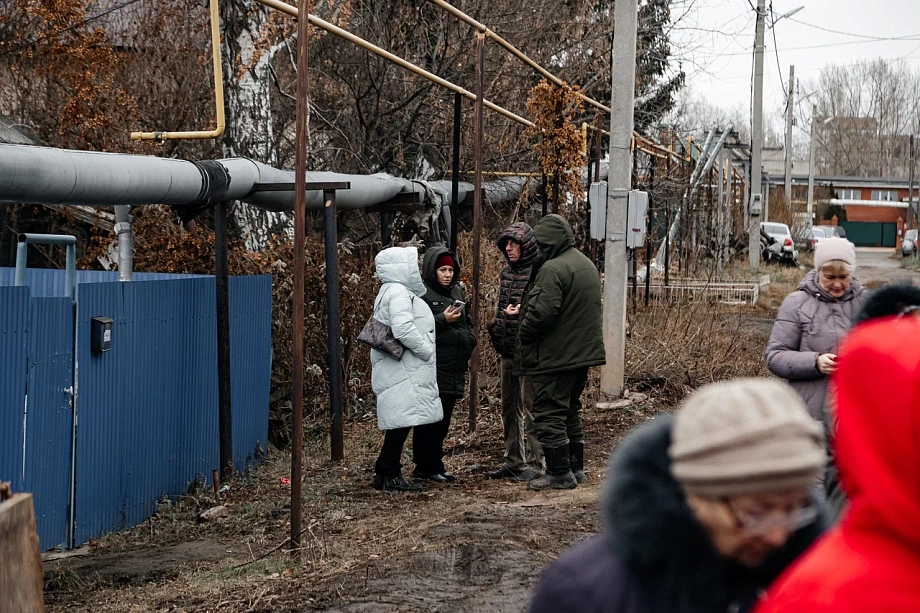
x=871 y=560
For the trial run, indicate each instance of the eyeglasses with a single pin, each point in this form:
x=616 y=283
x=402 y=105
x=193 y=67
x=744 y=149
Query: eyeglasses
x=762 y=522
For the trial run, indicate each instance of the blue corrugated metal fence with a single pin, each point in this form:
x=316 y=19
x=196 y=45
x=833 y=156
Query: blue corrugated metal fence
x=14 y=330
x=49 y=416
x=147 y=409
x=250 y=364
x=49 y=282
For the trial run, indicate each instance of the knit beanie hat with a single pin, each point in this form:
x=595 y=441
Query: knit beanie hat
x=834 y=249
x=744 y=436
x=445 y=259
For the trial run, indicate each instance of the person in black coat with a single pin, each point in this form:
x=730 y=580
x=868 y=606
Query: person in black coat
x=702 y=509
x=454 y=342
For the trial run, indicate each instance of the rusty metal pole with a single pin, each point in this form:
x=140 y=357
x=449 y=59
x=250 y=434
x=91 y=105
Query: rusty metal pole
x=651 y=217
x=302 y=130
x=543 y=196
x=634 y=253
x=597 y=147
x=333 y=325
x=222 y=292
x=455 y=174
x=556 y=193
x=477 y=223
x=667 y=236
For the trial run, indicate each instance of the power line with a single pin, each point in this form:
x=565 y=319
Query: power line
x=69 y=28
x=854 y=34
x=779 y=69
x=837 y=44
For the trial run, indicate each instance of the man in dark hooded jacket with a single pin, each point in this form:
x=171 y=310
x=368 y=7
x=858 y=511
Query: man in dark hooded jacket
x=702 y=509
x=523 y=454
x=560 y=337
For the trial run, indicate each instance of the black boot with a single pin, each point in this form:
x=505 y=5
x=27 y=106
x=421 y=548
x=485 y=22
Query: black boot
x=558 y=470
x=503 y=472
x=577 y=460
x=506 y=472
x=395 y=484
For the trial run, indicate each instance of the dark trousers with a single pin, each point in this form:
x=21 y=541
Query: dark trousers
x=389 y=463
x=522 y=449
x=428 y=441
x=557 y=407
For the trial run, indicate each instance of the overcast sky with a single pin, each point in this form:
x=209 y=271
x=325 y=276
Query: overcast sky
x=715 y=38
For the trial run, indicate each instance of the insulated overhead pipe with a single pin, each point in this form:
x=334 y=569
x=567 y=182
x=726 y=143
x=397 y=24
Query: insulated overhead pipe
x=45 y=175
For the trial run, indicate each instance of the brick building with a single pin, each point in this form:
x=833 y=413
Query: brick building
x=873 y=205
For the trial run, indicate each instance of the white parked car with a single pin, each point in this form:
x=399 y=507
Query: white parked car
x=776 y=243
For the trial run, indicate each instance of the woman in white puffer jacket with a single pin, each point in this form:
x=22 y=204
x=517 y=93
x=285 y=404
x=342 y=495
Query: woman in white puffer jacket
x=406 y=389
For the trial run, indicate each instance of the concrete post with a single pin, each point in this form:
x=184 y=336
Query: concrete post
x=787 y=170
x=623 y=80
x=757 y=136
x=810 y=210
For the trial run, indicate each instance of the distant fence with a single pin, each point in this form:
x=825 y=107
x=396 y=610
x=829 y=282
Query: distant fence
x=702 y=290
x=98 y=437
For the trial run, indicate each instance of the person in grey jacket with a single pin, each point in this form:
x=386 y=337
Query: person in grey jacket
x=813 y=320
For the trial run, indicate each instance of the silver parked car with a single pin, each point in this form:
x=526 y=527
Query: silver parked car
x=817 y=235
x=830 y=231
x=909 y=244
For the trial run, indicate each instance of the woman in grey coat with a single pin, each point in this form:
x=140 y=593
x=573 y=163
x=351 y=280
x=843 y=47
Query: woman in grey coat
x=813 y=320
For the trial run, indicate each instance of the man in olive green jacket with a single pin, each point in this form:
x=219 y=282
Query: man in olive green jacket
x=559 y=335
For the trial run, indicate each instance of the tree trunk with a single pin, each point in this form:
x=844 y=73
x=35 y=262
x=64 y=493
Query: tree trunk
x=247 y=82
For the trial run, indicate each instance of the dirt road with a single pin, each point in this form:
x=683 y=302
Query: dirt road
x=878 y=265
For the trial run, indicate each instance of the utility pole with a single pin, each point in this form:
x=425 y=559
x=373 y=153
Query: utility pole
x=302 y=139
x=757 y=136
x=810 y=210
x=788 y=152
x=720 y=210
x=623 y=84
x=910 y=184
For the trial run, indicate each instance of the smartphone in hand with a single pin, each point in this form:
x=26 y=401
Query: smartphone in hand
x=458 y=304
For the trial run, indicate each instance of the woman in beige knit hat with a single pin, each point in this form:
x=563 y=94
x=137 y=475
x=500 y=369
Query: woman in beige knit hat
x=702 y=509
x=813 y=320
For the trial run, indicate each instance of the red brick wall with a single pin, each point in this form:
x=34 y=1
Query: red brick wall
x=874 y=213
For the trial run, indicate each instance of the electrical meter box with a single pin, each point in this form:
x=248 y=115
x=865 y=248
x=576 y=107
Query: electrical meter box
x=101 y=333
x=597 y=200
x=756 y=204
x=636 y=209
